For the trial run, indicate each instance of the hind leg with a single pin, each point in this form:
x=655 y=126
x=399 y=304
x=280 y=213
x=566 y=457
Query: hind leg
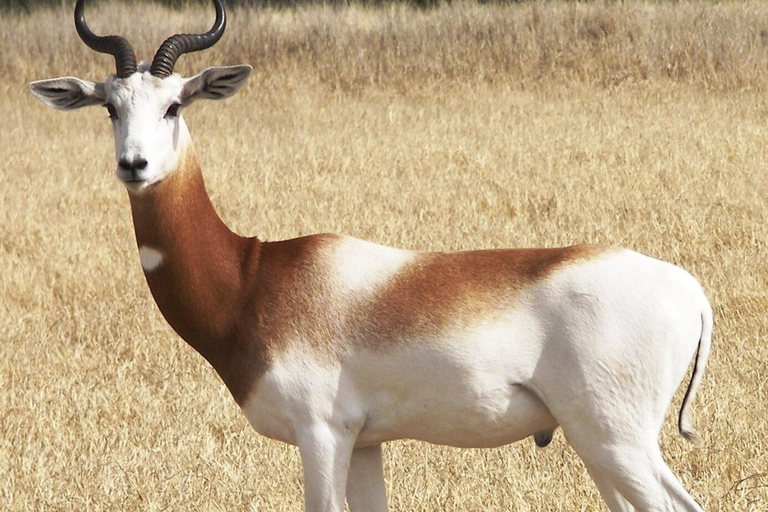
x=674 y=487
x=611 y=496
x=632 y=473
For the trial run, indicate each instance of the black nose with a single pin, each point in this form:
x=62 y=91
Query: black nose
x=132 y=166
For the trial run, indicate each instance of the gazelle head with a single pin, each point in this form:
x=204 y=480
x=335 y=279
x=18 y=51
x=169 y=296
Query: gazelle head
x=145 y=101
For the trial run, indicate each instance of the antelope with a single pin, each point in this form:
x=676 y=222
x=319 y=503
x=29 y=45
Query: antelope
x=338 y=345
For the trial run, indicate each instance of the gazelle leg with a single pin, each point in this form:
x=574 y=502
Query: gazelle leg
x=653 y=486
x=325 y=458
x=366 y=491
x=612 y=497
x=674 y=487
x=634 y=473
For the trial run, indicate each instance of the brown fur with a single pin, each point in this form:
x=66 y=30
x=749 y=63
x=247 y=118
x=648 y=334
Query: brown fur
x=237 y=301
x=443 y=290
x=205 y=267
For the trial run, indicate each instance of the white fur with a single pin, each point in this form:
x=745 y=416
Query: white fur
x=150 y=258
x=142 y=131
x=598 y=348
x=577 y=351
x=364 y=266
x=141 y=101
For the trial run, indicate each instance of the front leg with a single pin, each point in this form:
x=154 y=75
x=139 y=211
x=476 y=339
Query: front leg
x=325 y=458
x=366 y=491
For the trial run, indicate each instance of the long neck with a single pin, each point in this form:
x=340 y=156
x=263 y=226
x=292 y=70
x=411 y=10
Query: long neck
x=194 y=265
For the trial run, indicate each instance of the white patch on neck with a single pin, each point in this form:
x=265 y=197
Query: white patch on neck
x=150 y=258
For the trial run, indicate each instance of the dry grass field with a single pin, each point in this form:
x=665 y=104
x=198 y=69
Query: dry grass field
x=641 y=124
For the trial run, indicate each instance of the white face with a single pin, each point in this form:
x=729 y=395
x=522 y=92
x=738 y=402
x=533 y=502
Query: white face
x=150 y=135
x=149 y=132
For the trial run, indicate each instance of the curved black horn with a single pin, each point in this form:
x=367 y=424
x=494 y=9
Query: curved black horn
x=179 y=44
x=119 y=47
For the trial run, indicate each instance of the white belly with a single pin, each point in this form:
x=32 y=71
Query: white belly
x=443 y=392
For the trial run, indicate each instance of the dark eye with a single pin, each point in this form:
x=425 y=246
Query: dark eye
x=112 y=111
x=173 y=111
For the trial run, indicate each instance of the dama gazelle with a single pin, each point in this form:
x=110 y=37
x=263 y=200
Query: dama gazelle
x=337 y=345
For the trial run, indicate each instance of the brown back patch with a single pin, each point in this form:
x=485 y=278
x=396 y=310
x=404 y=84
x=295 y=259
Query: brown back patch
x=440 y=290
x=295 y=297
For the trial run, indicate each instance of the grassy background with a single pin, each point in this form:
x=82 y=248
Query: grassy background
x=637 y=124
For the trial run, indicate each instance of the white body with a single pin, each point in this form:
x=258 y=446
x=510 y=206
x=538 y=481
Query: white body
x=571 y=350
x=338 y=345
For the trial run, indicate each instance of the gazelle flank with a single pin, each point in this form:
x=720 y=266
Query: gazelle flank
x=338 y=345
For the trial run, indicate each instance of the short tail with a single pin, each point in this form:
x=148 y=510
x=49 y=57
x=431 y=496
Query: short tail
x=702 y=354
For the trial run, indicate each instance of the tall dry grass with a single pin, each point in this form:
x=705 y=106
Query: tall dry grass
x=540 y=124
x=717 y=45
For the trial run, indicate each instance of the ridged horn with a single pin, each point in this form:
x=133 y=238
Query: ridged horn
x=119 y=47
x=179 y=44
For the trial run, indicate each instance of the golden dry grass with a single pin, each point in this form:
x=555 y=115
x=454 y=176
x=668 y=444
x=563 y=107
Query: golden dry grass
x=636 y=124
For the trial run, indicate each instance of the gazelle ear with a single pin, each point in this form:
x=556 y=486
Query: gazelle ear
x=215 y=83
x=68 y=93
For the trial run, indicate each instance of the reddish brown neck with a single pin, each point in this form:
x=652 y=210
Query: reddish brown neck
x=200 y=280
